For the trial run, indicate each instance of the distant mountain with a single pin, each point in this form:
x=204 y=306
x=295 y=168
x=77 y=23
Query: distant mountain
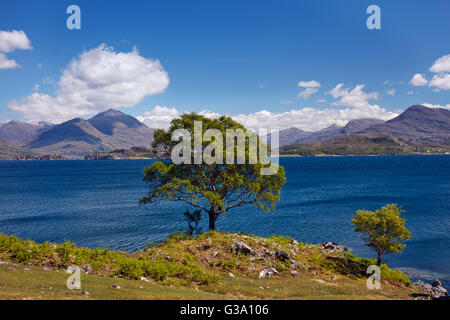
x=352 y=144
x=290 y=135
x=327 y=133
x=8 y=151
x=18 y=132
x=359 y=125
x=106 y=131
x=418 y=124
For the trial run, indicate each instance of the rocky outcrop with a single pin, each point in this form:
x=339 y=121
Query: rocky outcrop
x=435 y=290
x=268 y=272
x=333 y=247
x=240 y=247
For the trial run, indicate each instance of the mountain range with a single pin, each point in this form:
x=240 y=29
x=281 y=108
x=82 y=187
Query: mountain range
x=416 y=127
x=106 y=131
x=417 y=124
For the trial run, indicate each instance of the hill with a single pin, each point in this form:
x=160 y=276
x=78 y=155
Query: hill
x=18 y=132
x=106 y=131
x=375 y=144
x=293 y=135
x=211 y=266
x=418 y=124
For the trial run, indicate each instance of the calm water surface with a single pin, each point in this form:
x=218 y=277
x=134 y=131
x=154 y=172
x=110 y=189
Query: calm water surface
x=95 y=204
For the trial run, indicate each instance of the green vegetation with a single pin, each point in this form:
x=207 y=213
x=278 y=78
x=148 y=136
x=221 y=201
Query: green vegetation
x=384 y=230
x=374 y=144
x=185 y=267
x=213 y=188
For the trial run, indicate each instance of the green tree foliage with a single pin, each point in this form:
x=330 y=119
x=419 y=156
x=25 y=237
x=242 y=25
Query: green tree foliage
x=384 y=230
x=213 y=188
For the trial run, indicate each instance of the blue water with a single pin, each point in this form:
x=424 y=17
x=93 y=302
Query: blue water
x=95 y=204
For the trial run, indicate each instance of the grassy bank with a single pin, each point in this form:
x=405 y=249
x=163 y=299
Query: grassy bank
x=211 y=266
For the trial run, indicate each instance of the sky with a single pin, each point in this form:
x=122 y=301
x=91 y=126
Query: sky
x=268 y=64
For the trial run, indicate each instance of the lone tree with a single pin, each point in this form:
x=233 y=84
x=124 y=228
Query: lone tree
x=384 y=230
x=214 y=188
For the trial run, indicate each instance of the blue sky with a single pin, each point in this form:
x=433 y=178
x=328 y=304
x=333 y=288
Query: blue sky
x=238 y=57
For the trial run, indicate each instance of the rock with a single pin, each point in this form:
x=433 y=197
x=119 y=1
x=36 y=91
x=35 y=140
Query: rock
x=294 y=272
x=144 y=279
x=268 y=272
x=85 y=293
x=26 y=269
x=242 y=248
x=115 y=286
x=251 y=269
x=435 y=290
x=46 y=287
x=3 y=262
x=333 y=277
x=215 y=253
x=262 y=288
x=333 y=247
x=203 y=247
x=282 y=255
x=436 y=283
x=46 y=269
x=231 y=275
x=86 y=268
x=208 y=260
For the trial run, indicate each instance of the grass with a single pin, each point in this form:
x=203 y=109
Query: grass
x=191 y=268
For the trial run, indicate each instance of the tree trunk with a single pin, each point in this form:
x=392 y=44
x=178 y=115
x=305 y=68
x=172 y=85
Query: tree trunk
x=379 y=259
x=212 y=221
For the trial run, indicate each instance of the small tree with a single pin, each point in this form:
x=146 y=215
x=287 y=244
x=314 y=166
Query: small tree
x=384 y=230
x=213 y=188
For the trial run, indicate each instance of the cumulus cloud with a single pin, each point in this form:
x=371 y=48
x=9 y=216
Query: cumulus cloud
x=309 y=84
x=9 y=42
x=391 y=92
x=285 y=101
x=355 y=98
x=441 y=65
x=311 y=88
x=6 y=63
x=307 y=93
x=418 y=80
x=95 y=81
x=159 y=117
x=440 y=81
x=309 y=119
x=14 y=40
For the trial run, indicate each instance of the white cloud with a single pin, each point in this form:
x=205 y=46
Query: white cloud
x=285 y=101
x=391 y=92
x=410 y=92
x=310 y=119
x=311 y=88
x=441 y=65
x=309 y=84
x=355 y=98
x=321 y=100
x=418 y=80
x=307 y=93
x=97 y=80
x=159 y=117
x=13 y=40
x=5 y=63
x=36 y=87
x=429 y=105
x=440 y=81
